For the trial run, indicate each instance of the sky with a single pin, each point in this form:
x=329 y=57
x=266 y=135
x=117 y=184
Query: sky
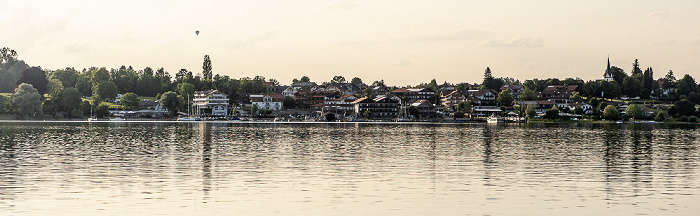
x=402 y=42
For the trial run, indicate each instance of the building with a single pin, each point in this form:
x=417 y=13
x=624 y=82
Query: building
x=516 y=90
x=310 y=98
x=381 y=107
x=210 y=103
x=271 y=102
x=452 y=99
x=558 y=93
x=425 y=108
x=482 y=96
x=608 y=76
x=408 y=95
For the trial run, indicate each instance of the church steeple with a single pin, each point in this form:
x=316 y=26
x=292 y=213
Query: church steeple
x=608 y=73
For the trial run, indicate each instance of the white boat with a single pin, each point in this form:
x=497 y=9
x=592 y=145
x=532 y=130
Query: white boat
x=186 y=119
x=117 y=119
x=494 y=120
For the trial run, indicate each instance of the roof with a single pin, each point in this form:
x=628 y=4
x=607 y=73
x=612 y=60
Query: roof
x=409 y=90
x=512 y=87
x=482 y=92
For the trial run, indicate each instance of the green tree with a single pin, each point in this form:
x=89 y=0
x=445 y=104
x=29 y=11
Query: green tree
x=5 y=105
x=71 y=100
x=356 y=81
x=98 y=75
x=464 y=106
x=672 y=110
x=26 y=100
x=660 y=117
x=552 y=113
x=687 y=85
x=130 y=101
x=170 y=101
x=505 y=97
x=602 y=105
x=34 y=76
x=636 y=70
x=106 y=90
x=54 y=89
x=273 y=81
x=618 y=75
x=669 y=80
x=528 y=95
x=102 y=110
x=631 y=86
x=288 y=102
x=648 y=83
x=633 y=111
x=685 y=107
x=578 y=110
x=576 y=97
x=185 y=90
x=368 y=93
x=489 y=82
x=304 y=79
x=530 y=111
x=610 y=112
x=68 y=76
x=338 y=79
x=206 y=68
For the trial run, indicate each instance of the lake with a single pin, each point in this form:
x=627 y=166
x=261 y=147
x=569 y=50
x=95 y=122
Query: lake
x=169 y=168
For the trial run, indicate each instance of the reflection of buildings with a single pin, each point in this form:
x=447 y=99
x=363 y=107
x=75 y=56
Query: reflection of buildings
x=211 y=103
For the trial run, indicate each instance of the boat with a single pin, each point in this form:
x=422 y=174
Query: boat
x=234 y=119
x=92 y=119
x=117 y=119
x=494 y=120
x=186 y=119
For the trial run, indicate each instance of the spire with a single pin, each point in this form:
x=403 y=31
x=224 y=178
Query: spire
x=608 y=72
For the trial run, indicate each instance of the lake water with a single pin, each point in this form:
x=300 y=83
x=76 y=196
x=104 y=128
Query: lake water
x=80 y=168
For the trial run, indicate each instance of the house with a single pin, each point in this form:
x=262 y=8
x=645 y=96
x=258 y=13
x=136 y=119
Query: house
x=379 y=90
x=380 y=107
x=516 y=90
x=587 y=108
x=558 y=93
x=484 y=96
x=425 y=108
x=452 y=99
x=271 y=102
x=343 y=102
x=345 y=88
x=412 y=94
x=211 y=103
x=541 y=106
x=150 y=105
x=309 y=98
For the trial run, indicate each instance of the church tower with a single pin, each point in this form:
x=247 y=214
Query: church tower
x=608 y=73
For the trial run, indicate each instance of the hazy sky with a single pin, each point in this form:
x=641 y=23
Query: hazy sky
x=402 y=42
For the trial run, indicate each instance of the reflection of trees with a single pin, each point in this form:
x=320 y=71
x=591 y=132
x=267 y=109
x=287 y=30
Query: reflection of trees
x=612 y=157
x=488 y=161
x=205 y=130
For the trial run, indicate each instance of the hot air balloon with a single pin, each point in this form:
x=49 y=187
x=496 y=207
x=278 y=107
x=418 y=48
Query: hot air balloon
x=196 y=32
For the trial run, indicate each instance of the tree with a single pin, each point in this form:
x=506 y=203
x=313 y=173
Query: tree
x=578 y=110
x=528 y=95
x=34 y=76
x=106 y=90
x=552 y=113
x=464 y=106
x=26 y=100
x=98 y=75
x=356 y=81
x=68 y=76
x=648 y=83
x=576 y=97
x=71 y=100
x=130 y=101
x=505 y=97
x=672 y=111
x=530 y=111
x=304 y=79
x=7 y=55
x=102 y=110
x=686 y=85
x=338 y=79
x=54 y=89
x=669 y=80
x=636 y=71
x=206 y=68
x=185 y=90
x=610 y=112
x=685 y=107
x=660 y=117
x=602 y=105
x=5 y=105
x=273 y=81
x=618 y=74
x=633 y=111
x=170 y=101
x=631 y=87
x=489 y=82
x=368 y=92
x=288 y=102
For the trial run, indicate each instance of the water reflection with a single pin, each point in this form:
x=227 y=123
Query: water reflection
x=205 y=168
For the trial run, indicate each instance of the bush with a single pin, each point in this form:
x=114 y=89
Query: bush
x=693 y=119
x=611 y=112
x=58 y=116
x=660 y=117
x=683 y=118
x=76 y=113
x=102 y=110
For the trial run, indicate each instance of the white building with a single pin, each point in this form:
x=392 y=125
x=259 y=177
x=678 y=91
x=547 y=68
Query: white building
x=271 y=102
x=210 y=103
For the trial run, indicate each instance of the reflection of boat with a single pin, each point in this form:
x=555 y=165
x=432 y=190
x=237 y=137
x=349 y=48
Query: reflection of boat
x=117 y=119
x=186 y=119
x=494 y=120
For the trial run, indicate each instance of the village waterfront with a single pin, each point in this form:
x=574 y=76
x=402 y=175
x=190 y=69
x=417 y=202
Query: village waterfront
x=210 y=168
